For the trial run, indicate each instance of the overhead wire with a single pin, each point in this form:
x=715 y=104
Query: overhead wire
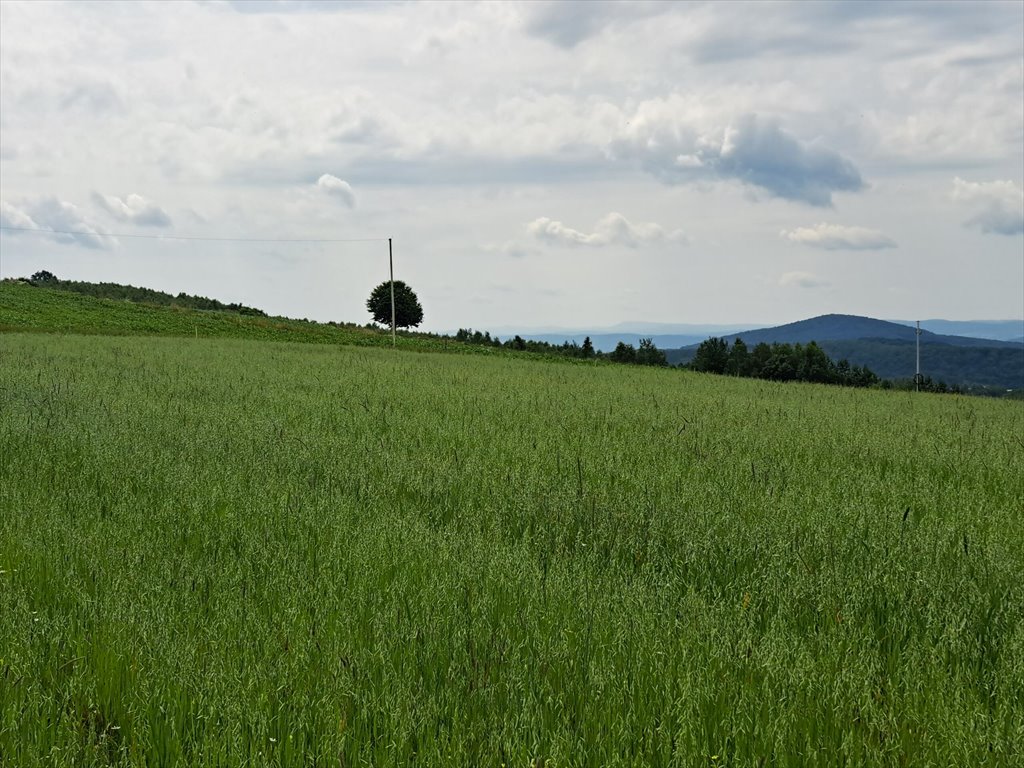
x=193 y=237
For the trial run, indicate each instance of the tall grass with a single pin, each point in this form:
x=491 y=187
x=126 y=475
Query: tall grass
x=242 y=553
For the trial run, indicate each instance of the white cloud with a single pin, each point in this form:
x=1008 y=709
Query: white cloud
x=133 y=209
x=676 y=143
x=835 y=237
x=612 y=229
x=802 y=280
x=497 y=113
x=998 y=206
x=334 y=186
x=62 y=220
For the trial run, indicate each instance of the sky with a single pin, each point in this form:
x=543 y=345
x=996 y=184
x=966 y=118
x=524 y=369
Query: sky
x=537 y=165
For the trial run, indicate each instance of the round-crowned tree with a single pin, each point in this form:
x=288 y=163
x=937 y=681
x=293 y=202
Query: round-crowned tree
x=408 y=312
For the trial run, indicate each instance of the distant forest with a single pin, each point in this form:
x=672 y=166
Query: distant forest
x=779 y=362
x=139 y=295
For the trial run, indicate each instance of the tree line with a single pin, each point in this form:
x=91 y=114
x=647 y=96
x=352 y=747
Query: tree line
x=646 y=354
x=779 y=362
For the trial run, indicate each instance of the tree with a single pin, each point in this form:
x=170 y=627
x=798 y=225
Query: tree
x=712 y=356
x=623 y=353
x=408 y=312
x=648 y=354
x=588 y=347
x=739 y=359
x=44 y=277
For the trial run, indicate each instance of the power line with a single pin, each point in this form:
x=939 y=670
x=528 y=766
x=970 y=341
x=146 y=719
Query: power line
x=189 y=237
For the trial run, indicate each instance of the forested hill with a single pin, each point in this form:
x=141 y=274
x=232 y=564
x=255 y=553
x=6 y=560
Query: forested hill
x=120 y=292
x=854 y=327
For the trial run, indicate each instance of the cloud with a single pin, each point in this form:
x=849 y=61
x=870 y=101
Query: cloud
x=802 y=280
x=510 y=248
x=753 y=150
x=56 y=217
x=568 y=24
x=94 y=96
x=998 y=206
x=613 y=229
x=134 y=209
x=334 y=186
x=835 y=237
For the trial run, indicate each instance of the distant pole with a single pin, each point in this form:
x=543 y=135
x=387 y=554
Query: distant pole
x=917 y=374
x=391 y=267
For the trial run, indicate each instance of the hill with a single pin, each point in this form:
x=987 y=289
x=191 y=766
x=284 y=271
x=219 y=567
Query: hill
x=847 y=327
x=138 y=295
x=967 y=366
x=889 y=349
x=37 y=309
x=1000 y=330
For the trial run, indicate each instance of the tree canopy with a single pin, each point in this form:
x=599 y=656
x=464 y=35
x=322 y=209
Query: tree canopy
x=408 y=311
x=779 y=362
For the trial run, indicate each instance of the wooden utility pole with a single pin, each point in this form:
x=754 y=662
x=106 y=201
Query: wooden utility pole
x=391 y=267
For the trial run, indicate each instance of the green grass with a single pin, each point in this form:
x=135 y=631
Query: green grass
x=223 y=552
x=37 y=309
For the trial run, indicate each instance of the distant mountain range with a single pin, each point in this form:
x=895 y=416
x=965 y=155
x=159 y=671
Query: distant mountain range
x=889 y=349
x=1001 y=330
x=849 y=327
x=665 y=335
x=675 y=335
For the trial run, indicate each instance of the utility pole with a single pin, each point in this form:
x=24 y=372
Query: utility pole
x=391 y=267
x=917 y=375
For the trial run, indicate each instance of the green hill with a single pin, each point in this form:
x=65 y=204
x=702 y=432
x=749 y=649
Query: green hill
x=25 y=307
x=888 y=349
x=852 y=327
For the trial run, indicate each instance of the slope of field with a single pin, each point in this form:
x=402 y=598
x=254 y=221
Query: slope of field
x=29 y=308
x=224 y=552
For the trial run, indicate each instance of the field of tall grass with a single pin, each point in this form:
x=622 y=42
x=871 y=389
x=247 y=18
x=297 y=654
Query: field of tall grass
x=222 y=552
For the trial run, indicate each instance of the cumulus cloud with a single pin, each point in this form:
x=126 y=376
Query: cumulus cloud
x=335 y=187
x=613 y=229
x=752 y=150
x=62 y=220
x=802 y=280
x=836 y=237
x=133 y=209
x=998 y=206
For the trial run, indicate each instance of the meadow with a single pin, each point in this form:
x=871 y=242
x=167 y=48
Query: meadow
x=31 y=309
x=223 y=552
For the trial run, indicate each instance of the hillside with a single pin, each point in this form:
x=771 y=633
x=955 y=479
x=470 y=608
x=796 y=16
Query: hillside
x=36 y=309
x=889 y=350
x=133 y=293
x=999 y=330
x=848 y=327
x=969 y=366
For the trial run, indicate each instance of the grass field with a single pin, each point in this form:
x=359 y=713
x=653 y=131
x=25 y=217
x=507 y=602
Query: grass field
x=224 y=552
x=34 y=309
